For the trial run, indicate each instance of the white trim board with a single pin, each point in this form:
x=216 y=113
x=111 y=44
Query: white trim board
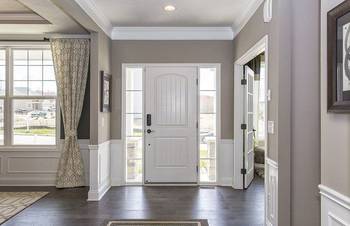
x=167 y=33
x=172 y=33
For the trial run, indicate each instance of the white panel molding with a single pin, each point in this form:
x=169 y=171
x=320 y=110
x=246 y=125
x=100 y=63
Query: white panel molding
x=100 y=172
x=271 y=192
x=239 y=24
x=40 y=158
x=96 y=14
x=117 y=162
x=172 y=33
x=335 y=207
x=13 y=174
x=225 y=162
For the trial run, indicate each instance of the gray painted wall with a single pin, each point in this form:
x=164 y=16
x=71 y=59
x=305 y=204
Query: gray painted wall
x=294 y=82
x=100 y=61
x=305 y=112
x=335 y=128
x=174 y=52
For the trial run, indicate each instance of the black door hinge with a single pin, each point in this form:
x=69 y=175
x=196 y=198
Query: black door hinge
x=197 y=169
x=243 y=126
x=244 y=81
x=244 y=171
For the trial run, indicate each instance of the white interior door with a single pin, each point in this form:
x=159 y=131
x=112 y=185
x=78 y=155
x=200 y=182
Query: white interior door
x=171 y=124
x=249 y=130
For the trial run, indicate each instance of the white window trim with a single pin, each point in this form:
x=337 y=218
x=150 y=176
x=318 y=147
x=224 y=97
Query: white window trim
x=218 y=114
x=8 y=99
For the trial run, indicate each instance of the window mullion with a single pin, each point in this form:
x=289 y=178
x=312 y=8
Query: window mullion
x=7 y=111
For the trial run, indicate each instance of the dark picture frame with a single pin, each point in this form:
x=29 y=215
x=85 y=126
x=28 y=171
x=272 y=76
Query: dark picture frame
x=106 y=92
x=338 y=62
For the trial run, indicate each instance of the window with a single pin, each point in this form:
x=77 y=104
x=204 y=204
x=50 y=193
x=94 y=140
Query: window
x=2 y=92
x=207 y=124
x=30 y=101
x=133 y=124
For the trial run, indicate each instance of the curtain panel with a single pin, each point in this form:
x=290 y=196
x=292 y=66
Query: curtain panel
x=71 y=62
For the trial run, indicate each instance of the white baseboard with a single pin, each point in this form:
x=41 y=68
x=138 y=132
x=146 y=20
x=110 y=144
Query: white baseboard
x=335 y=207
x=96 y=195
x=100 y=170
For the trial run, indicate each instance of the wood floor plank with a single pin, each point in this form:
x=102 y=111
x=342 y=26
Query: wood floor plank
x=222 y=206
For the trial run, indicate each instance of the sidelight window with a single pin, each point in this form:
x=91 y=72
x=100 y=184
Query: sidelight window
x=207 y=124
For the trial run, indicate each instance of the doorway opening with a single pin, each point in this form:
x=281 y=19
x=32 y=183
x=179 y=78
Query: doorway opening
x=251 y=96
x=171 y=123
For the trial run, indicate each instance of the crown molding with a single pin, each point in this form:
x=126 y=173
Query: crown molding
x=90 y=8
x=246 y=15
x=172 y=33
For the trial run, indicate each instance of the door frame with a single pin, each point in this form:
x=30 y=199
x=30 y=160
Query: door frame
x=259 y=47
x=218 y=116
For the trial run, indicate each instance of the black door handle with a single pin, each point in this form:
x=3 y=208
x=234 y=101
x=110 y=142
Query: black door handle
x=149 y=131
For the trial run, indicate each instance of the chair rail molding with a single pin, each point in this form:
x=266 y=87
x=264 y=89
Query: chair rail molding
x=335 y=207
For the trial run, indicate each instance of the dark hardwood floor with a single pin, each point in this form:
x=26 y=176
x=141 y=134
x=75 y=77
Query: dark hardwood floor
x=220 y=205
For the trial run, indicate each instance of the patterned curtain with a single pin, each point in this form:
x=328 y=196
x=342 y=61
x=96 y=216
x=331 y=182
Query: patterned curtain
x=71 y=62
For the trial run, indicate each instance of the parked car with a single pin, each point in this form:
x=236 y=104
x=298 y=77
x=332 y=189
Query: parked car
x=38 y=114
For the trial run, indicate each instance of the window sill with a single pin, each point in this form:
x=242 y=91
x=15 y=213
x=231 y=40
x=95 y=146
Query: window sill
x=30 y=148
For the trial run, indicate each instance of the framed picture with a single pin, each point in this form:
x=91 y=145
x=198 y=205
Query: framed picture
x=338 y=50
x=105 y=92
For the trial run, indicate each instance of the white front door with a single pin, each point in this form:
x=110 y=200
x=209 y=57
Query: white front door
x=171 y=124
x=249 y=129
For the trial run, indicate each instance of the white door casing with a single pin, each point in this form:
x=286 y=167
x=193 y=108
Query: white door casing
x=171 y=144
x=248 y=116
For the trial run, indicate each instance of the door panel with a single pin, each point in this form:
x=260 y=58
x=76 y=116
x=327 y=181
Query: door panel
x=249 y=132
x=171 y=144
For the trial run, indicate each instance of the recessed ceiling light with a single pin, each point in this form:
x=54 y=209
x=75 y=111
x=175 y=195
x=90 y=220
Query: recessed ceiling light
x=169 y=8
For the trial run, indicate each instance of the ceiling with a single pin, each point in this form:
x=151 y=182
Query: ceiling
x=19 y=17
x=188 y=13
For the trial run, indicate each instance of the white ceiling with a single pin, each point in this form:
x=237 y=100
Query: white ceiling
x=188 y=13
x=192 y=19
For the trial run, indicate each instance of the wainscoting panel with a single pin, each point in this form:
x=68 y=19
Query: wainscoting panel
x=35 y=166
x=335 y=207
x=225 y=162
x=100 y=170
x=117 y=162
x=271 y=193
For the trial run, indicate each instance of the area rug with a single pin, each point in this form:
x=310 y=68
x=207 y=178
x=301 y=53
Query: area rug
x=12 y=203
x=157 y=223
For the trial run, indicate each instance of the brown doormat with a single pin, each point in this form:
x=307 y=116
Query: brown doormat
x=158 y=223
x=12 y=203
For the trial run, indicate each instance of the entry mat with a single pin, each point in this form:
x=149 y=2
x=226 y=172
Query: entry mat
x=157 y=223
x=12 y=203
